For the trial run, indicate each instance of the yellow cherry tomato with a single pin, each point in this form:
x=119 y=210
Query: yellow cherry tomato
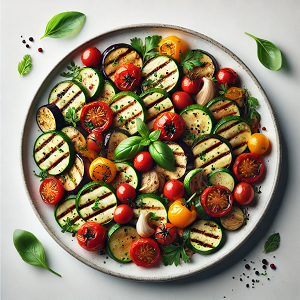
x=258 y=143
x=236 y=94
x=172 y=46
x=179 y=215
x=102 y=169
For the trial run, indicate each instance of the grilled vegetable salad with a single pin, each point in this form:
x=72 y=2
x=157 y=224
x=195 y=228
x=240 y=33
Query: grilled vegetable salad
x=150 y=144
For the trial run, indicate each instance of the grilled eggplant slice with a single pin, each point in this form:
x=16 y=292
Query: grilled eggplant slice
x=157 y=101
x=54 y=152
x=117 y=55
x=236 y=130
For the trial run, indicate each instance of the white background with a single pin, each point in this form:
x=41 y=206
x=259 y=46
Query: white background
x=224 y=21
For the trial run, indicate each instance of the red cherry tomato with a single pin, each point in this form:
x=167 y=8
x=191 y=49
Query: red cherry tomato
x=227 y=75
x=144 y=252
x=248 y=167
x=143 y=162
x=166 y=234
x=126 y=193
x=51 y=190
x=94 y=140
x=172 y=126
x=128 y=77
x=123 y=214
x=91 y=236
x=191 y=85
x=96 y=114
x=181 y=100
x=91 y=57
x=243 y=193
x=216 y=200
x=174 y=189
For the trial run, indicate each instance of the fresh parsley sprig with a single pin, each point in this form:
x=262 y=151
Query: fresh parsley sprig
x=25 y=66
x=172 y=254
x=71 y=116
x=252 y=113
x=42 y=175
x=190 y=59
x=74 y=71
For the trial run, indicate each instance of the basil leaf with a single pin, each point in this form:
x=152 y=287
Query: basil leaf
x=154 y=135
x=142 y=128
x=64 y=23
x=272 y=243
x=30 y=249
x=145 y=142
x=25 y=66
x=128 y=148
x=268 y=54
x=163 y=155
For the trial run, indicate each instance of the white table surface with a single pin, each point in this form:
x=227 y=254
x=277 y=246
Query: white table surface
x=224 y=21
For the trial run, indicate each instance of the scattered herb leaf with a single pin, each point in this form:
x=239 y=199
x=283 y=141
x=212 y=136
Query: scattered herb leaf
x=74 y=72
x=71 y=116
x=68 y=226
x=43 y=175
x=25 y=66
x=153 y=216
x=172 y=255
x=190 y=59
x=272 y=243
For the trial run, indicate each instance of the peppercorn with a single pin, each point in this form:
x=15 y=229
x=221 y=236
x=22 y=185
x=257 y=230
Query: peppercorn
x=272 y=266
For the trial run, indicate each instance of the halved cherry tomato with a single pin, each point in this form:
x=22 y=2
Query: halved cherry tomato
x=180 y=215
x=248 y=167
x=91 y=57
x=191 y=85
x=216 y=200
x=51 y=190
x=166 y=234
x=102 y=169
x=258 y=143
x=237 y=95
x=126 y=193
x=123 y=214
x=172 y=125
x=128 y=77
x=172 y=46
x=243 y=193
x=145 y=252
x=182 y=99
x=91 y=236
x=96 y=114
x=227 y=75
x=143 y=162
x=94 y=140
x=174 y=189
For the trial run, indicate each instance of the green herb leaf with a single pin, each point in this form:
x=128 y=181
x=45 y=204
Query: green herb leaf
x=74 y=72
x=142 y=128
x=71 y=116
x=154 y=135
x=172 y=255
x=268 y=54
x=163 y=155
x=68 y=226
x=272 y=243
x=128 y=148
x=148 y=83
x=153 y=216
x=64 y=23
x=253 y=103
x=25 y=66
x=190 y=59
x=43 y=175
x=30 y=249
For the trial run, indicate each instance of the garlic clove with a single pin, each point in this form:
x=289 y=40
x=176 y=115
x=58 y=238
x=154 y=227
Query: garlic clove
x=143 y=226
x=207 y=93
x=150 y=182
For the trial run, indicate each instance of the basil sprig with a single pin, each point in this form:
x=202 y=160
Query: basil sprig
x=160 y=152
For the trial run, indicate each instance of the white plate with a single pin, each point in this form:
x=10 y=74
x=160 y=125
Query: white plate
x=233 y=240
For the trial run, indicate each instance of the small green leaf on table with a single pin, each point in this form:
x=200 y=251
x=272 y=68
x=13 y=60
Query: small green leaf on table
x=25 y=66
x=272 y=243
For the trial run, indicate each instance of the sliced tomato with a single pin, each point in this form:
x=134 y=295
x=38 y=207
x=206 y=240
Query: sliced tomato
x=216 y=200
x=96 y=114
x=248 y=167
x=102 y=169
x=51 y=190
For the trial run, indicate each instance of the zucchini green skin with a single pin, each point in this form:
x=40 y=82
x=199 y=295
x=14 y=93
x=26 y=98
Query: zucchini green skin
x=222 y=176
x=54 y=152
x=188 y=180
x=108 y=92
x=119 y=241
x=200 y=211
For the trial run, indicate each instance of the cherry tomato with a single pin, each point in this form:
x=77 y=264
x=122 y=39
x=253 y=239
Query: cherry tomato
x=174 y=189
x=227 y=75
x=143 y=162
x=172 y=46
x=96 y=114
x=144 y=252
x=102 y=169
x=243 y=193
x=216 y=200
x=248 y=167
x=191 y=85
x=123 y=214
x=166 y=234
x=172 y=125
x=128 y=77
x=126 y=193
x=237 y=95
x=51 y=190
x=94 y=140
x=91 y=236
x=258 y=143
x=181 y=100
x=91 y=57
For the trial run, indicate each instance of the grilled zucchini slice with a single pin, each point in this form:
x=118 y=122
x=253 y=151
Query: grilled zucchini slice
x=109 y=90
x=222 y=177
x=195 y=181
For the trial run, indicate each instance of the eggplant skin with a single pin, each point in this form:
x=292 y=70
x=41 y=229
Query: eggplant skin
x=117 y=55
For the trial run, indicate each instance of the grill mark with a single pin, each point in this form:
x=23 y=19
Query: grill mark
x=159 y=112
x=235 y=135
x=121 y=55
x=228 y=127
x=58 y=161
x=150 y=207
x=119 y=171
x=239 y=146
x=206 y=245
x=63 y=108
x=77 y=167
x=82 y=206
x=158 y=82
x=60 y=144
x=157 y=68
x=216 y=159
x=99 y=212
x=62 y=93
x=222 y=107
x=131 y=118
x=41 y=146
x=203 y=232
x=66 y=211
x=216 y=145
x=150 y=105
x=125 y=107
